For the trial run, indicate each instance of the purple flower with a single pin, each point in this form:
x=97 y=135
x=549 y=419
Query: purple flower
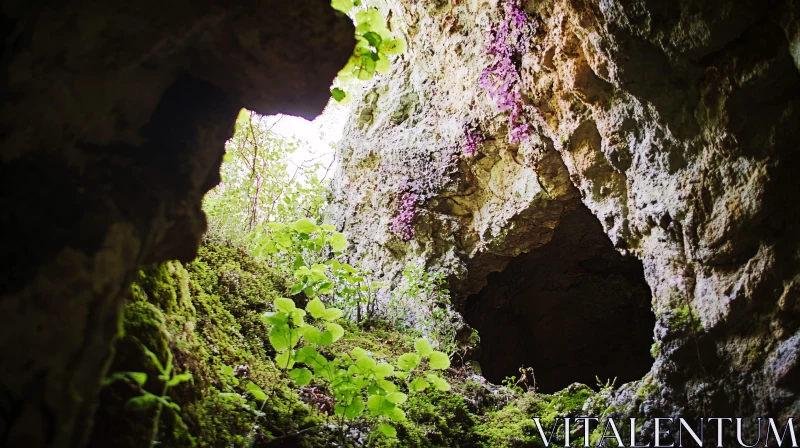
x=501 y=78
x=403 y=224
x=471 y=141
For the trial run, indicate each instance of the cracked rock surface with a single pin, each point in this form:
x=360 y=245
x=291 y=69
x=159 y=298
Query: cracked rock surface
x=674 y=123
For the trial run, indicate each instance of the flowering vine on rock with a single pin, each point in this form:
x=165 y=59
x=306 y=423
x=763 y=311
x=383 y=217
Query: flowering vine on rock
x=472 y=137
x=501 y=78
x=403 y=224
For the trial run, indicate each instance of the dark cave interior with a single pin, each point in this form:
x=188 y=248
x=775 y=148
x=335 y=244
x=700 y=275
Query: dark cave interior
x=573 y=310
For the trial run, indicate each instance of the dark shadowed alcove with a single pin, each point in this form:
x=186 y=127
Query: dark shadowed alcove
x=572 y=309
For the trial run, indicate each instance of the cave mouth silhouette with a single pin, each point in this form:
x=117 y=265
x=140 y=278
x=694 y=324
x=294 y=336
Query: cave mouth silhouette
x=574 y=310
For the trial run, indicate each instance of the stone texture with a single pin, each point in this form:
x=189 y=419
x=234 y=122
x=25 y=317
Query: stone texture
x=673 y=122
x=113 y=124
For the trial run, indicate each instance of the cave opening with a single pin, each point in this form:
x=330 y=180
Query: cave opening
x=574 y=310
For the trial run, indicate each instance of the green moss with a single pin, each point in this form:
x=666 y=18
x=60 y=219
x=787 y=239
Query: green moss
x=655 y=350
x=375 y=337
x=207 y=313
x=685 y=317
x=508 y=427
x=222 y=420
x=647 y=388
x=514 y=425
x=434 y=419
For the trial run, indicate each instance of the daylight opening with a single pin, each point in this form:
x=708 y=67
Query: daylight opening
x=277 y=168
x=574 y=310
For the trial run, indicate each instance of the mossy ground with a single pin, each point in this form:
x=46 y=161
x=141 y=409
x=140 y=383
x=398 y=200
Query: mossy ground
x=207 y=315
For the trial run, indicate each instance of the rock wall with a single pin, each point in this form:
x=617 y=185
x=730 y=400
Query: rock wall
x=673 y=122
x=113 y=124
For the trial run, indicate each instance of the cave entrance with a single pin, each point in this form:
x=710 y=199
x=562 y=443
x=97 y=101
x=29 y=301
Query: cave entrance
x=573 y=309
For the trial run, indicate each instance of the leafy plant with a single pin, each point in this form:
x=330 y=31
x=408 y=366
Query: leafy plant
x=358 y=382
x=425 y=294
x=148 y=400
x=310 y=252
x=374 y=44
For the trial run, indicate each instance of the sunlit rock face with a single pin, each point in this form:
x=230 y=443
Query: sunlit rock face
x=674 y=123
x=113 y=127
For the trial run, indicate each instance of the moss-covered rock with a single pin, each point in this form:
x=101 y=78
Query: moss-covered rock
x=435 y=419
x=205 y=315
x=514 y=424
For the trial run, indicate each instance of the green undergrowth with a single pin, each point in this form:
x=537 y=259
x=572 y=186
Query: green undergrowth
x=206 y=317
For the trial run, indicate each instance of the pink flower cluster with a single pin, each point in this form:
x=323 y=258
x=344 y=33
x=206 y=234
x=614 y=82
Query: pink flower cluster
x=403 y=224
x=501 y=78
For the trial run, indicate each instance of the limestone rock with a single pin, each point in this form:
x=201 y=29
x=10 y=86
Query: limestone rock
x=674 y=123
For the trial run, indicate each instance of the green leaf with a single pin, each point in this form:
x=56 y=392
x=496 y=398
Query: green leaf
x=388 y=430
x=439 y=361
x=338 y=94
x=396 y=414
x=373 y=38
x=142 y=402
x=271 y=318
x=305 y=226
x=297 y=317
x=332 y=314
x=301 y=377
x=354 y=409
x=418 y=385
x=316 y=308
x=255 y=391
x=227 y=370
x=365 y=364
x=342 y=5
x=394 y=46
x=358 y=352
x=386 y=385
x=174 y=406
x=306 y=354
x=379 y=405
x=138 y=377
x=178 y=379
x=326 y=287
x=152 y=357
x=382 y=65
x=284 y=304
x=284 y=360
x=382 y=370
x=282 y=337
x=335 y=330
x=338 y=242
x=408 y=361
x=439 y=383
x=321 y=367
x=423 y=347
x=314 y=336
x=296 y=288
x=397 y=397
